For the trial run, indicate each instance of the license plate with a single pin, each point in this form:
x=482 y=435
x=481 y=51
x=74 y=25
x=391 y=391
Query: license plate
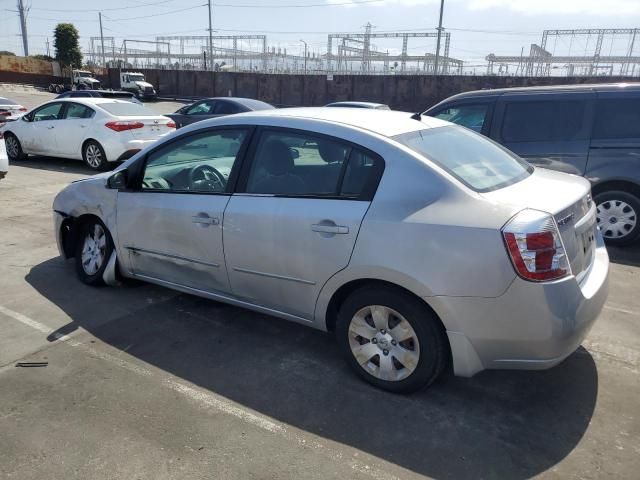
x=588 y=241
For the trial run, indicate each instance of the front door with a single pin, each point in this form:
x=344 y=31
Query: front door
x=294 y=221
x=550 y=130
x=40 y=135
x=170 y=224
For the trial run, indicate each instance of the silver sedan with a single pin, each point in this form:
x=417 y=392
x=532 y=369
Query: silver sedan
x=421 y=244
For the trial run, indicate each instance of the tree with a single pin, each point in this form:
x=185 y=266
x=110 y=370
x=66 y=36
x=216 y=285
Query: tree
x=42 y=57
x=6 y=52
x=66 y=44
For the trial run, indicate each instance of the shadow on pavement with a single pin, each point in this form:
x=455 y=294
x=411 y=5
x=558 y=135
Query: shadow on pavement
x=57 y=165
x=499 y=424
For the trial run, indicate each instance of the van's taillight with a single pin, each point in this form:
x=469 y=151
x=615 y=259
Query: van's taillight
x=122 y=126
x=535 y=247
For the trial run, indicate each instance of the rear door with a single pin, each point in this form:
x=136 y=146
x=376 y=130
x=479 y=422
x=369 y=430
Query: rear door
x=294 y=221
x=72 y=130
x=549 y=129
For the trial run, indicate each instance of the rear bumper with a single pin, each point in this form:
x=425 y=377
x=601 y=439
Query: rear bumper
x=122 y=149
x=531 y=326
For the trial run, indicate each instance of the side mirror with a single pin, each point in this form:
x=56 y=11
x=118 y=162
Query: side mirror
x=118 y=180
x=26 y=118
x=295 y=153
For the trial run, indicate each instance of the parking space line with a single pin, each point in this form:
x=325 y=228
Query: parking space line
x=208 y=399
x=618 y=309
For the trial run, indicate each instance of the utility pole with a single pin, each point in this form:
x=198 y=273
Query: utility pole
x=435 y=63
x=210 y=36
x=23 y=27
x=104 y=60
x=48 y=47
x=305 y=56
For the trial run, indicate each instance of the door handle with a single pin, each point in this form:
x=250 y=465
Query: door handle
x=204 y=219
x=50 y=127
x=331 y=228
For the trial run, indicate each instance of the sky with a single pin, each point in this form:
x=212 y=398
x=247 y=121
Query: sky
x=477 y=27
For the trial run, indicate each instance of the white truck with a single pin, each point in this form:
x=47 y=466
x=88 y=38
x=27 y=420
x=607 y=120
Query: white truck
x=80 y=80
x=135 y=83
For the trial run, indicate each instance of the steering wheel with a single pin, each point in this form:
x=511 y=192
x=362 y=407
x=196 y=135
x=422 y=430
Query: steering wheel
x=206 y=178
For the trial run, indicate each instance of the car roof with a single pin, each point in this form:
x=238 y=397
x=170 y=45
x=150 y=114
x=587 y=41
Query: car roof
x=383 y=122
x=89 y=100
x=356 y=104
x=593 y=87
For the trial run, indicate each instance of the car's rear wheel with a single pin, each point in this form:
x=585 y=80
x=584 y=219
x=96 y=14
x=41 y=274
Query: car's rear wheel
x=13 y=147
x=617 y=216
x=93 y=251
x=391 y=339
x=94 y=156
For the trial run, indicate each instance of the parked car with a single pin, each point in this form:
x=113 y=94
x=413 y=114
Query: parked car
x=10 y=110
x=119 y=95
x=417 y=241
x=4 y=160
x=96 y=130
x=587 y=130
x=215 y=107
x=376 y=106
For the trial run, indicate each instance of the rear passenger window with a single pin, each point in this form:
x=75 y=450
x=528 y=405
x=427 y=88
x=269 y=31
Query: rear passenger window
x=225 y=108
x=295 y=164
x=544 y=121
x=470 y=116
x=76 y=111
x=617 y=118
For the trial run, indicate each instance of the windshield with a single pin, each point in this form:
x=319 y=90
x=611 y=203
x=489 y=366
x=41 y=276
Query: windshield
x=136 y=78
x=127 y=109
x=85 y=74
x=476 y=161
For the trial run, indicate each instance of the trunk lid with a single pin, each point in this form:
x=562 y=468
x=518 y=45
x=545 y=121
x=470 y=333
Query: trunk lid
x=154 y=127
x=568 y=199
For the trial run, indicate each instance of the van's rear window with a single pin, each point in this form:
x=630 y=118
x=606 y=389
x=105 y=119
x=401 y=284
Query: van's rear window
x=476 y=161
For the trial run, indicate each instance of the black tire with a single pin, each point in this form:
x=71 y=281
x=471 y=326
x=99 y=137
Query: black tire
x=433 y=344
x=14 y=152
x=89 y=152
x=58 y=89
x=85 y=274
x=626 y=203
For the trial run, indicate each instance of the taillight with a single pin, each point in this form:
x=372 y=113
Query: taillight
x=535 y=246
x=122 y=126
x=171 y=124
x=1 y=125
x=5 y=113
x=22 y=109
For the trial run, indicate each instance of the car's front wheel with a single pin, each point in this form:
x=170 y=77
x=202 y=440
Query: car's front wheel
x=94 y=156
x=617 y=216
x=14 y=149
x=391 y=339
x=93 y=251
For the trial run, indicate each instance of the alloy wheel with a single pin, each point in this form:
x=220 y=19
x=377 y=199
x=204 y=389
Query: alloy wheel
x=12 y=146
x=616 y=218
x=93 y=250
x=384 y=343
x=94 y=156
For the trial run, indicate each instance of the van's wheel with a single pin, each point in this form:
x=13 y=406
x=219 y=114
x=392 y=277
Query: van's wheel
x=93 y=251
x=391 y=339
x=13 y=147
x=94 y=156
x=617 y=216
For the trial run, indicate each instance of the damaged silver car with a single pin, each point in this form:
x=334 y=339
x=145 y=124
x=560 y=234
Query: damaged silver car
x=419 y=243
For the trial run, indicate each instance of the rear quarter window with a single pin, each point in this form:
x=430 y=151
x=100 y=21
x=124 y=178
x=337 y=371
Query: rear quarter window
x=617 y=118
x=476 y=161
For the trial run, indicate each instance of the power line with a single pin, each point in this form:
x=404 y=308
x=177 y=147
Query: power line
x=94 y=10
x=155 y=14
x=309 y=5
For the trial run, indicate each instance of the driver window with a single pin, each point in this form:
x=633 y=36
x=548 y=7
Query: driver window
x=48 y=112
x=470 y=116
x=198 y=163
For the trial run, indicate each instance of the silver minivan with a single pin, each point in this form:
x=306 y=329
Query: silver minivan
x=420 y=243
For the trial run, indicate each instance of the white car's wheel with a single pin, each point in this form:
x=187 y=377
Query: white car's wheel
x=13 y=147
x=94 y=156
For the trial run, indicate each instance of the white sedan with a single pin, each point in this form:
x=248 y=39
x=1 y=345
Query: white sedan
x=96 y=130
x=4 y=161
x=10 y=110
